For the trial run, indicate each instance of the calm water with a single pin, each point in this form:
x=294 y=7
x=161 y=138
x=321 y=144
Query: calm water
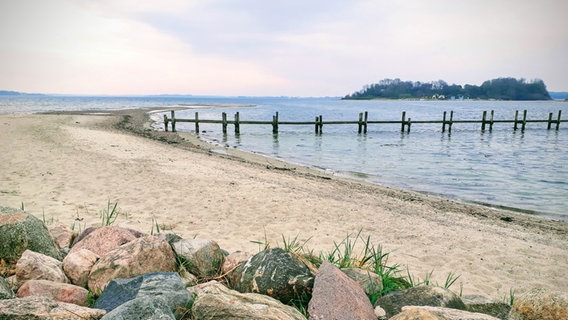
x=525 y=170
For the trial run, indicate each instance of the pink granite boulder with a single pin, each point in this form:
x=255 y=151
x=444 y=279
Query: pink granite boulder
x=37 y=266
x=78 y=264
x=105 y=239
x=62 y=292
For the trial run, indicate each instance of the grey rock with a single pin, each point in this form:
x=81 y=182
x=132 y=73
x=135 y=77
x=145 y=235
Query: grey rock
x=370 y=281
x=433 y=296
x=438 y=313
x=142 y=308
x=215 y=301
x=276 y=273
x=482 y=304
x=5 y=290
x=44 y=308
x=21 y=231
x=200 y=257
x=336 y=296
x=169 y=287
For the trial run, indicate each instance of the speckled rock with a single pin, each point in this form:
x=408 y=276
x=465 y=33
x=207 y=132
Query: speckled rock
x=62 y=292
x=200 y=257
x=36 y=266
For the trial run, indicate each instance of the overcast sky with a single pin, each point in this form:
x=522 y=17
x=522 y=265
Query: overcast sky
x=265 y=47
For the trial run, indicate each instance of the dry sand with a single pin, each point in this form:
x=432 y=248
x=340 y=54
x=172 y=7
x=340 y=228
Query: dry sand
x=65 y=168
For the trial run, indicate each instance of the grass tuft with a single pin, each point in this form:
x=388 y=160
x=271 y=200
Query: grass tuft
x=109 y=214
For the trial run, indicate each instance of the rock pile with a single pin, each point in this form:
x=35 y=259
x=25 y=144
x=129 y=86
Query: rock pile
x=118 y=273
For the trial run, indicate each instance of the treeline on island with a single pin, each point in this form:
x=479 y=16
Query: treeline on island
x=498 y=89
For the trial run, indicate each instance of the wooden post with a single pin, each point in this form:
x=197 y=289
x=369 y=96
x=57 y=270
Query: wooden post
x=516 y=119
x=451 y=122
x=224 y=122
x=317 y=126
x=275 y=123
x=237 y=124
x=483 y=120
x=197 y=122
x=409 y=123
x=173 y=121
x=365 y=122
x=558 y=122
x=403 y=121
x=360 y=124
x=320 y=124
x=524 y=120
x=549 y=121
x=444 y=123
x=166 y=122
x=491 y=121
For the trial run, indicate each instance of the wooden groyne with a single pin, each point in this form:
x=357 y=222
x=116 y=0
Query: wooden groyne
x=487 y=121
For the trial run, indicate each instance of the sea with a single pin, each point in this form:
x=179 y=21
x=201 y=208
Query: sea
x=524 y=171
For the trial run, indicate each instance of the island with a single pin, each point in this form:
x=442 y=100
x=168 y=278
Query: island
x=495 y=89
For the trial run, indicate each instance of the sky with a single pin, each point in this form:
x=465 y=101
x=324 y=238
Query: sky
x=275 y=48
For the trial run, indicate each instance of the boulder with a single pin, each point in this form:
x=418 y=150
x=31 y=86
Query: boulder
x=78 y=264
x=439 y=313
x=336 y=296
x=200 y=257
x=168 y=286
x=105 y=239
x=62 y=235
x=45 y=308
x=216 y=301
x=482 y=304
x=36 y=266
x=370 y=281
x=5 y=290
x=276 y=273
x=141 y=256
x=432 y=296
x=62 y=292
x=142 y=308
x=21 y=231
x=233 y=260
x=540 y=304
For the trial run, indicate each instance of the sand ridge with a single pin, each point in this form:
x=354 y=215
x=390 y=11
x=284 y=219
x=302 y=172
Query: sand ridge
x=65 y=168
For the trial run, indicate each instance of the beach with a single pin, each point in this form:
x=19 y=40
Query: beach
x=65 y=168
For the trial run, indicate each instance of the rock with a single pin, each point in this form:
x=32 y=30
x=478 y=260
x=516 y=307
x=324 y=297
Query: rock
x=105 y=239
x=233 y=260
x=36 y=266
x=380 y=313
x=169 y=286
x=481 y=304
x=370 y=281
x=78 y=264
x=62 y=235
x=21 y=231
x=62 y=292
x=276 y=273
x=141 y=256
x=215 y=301
x=541 y=305
x=142 y=308
x=336 y=296
x=5 y=290
x=438 y=313
x=44 y=308
x=200 y=257
x=419 y=296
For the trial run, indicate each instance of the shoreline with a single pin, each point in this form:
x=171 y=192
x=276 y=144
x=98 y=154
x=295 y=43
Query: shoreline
x=64 y=167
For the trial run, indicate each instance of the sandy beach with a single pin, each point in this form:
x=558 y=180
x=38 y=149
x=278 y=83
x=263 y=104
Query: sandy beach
x=65 y=168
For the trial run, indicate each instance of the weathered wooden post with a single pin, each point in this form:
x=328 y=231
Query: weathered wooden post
x=320 y=124
x=524 y=120
x=224 y=122
x=516 y=119
x=409 y=123
x=237 y=124
x=275 y=123
x=483 y=120
x=558 y=122
x=444 y=122
x=549 y=121
x=197 y=122
x=403 y=121
x=360 y=123
x=166 y=122
x=491 y=121
x=317 y=125
x=451 y=122
x=365 y=122
x=173 y=121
